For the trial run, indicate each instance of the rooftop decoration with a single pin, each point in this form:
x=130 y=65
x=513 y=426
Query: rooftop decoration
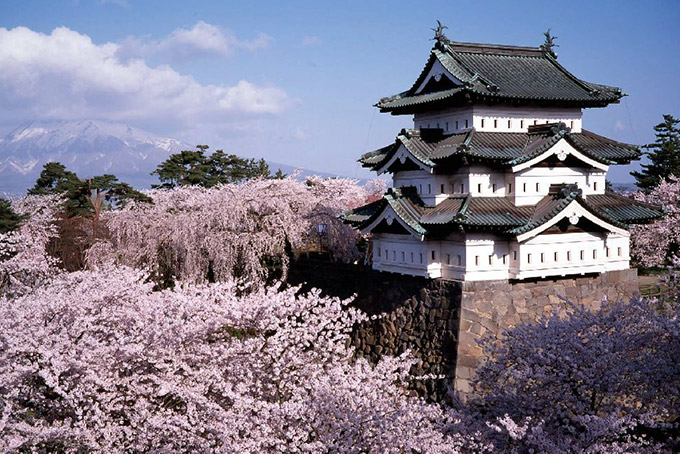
x=549 y=43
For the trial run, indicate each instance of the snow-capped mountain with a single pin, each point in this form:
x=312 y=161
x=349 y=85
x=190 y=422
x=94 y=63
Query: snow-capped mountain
x=86 y=147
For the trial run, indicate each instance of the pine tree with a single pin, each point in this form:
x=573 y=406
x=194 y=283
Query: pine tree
x=193 y=167
x=9 y=220
x=663 y=154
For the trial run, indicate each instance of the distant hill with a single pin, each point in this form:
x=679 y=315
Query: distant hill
x=87 y=147
x=90 y=147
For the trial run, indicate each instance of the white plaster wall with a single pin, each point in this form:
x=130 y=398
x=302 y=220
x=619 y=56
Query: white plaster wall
x=526 y=192
x=496 y=118
x=431 y=188
x=566 y=254
x=400 y=254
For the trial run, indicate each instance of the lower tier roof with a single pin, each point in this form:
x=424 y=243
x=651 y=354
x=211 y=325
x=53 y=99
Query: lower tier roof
x=498 y=214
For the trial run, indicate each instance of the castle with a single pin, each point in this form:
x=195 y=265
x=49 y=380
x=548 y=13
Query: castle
x=497 y=179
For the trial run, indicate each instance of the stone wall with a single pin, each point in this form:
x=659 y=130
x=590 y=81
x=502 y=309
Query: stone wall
x=441 y=321
x=490 y=307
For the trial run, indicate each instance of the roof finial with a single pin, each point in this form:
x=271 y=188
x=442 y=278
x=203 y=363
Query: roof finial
x=549 y=43
x=439 y=32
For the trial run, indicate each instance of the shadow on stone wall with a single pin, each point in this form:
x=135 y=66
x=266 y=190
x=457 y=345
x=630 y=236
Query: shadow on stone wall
x=421 y=315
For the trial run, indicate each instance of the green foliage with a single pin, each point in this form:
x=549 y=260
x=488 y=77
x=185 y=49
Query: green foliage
x=9 y=220
x=193 y=167
x=663 y=154
x=56 y=179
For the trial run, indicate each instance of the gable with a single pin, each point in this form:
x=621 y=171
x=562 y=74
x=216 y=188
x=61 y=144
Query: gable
x=404 y=159
x=561 y=150
x=438 y=78
x=575 y=215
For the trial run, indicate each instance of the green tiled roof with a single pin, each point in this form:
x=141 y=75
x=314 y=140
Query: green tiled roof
x=502 y=149
x=498 y=214
x=493 y=73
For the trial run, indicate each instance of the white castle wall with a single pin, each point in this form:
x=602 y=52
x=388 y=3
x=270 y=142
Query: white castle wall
x=485 y=257
x=497 y=118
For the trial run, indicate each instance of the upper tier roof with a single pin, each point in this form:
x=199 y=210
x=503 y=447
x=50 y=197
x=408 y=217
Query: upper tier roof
x=498 y=214
x=492 y=74
x=501 y=149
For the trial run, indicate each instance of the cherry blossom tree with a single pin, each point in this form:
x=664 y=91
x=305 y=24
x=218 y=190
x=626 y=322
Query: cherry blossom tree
x=654 y=244
x=24 y=262
x=96 y=361
x=231 y=231
x=602 y=381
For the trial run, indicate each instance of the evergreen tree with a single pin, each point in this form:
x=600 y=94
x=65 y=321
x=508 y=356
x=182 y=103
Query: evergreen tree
x=193 y=167
x=82 y=195
x=9 y=220
x=663 y=154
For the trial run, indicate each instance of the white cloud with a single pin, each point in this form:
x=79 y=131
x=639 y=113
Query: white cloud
x=311 y=41
x=64 y=75
x=200 y=40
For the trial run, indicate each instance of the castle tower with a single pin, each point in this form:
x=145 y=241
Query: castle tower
x=497 y=179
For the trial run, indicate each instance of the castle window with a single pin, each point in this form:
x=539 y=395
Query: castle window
x=479 y=188
x=583 y=255
x=493 y=187
x=442 y=189
x=572 y=125
x=595 y=186
x=514 y=255
x=555 y=256
x=411 y=257
x=495 y=124
x=448 y=259
x=462 y=188
x=466 y=123
x=429 y=189
x=537 y=187
x=594 y=253
x=437 y=125
x=394 y=255
x=524 y=187
x=482 y=122
x=606 y=252
x=619 y=251
x=509 y=187
x=378 y=252
x=491 y=260
x=476 y=260
x=456 y=124
x=542 y=257
x=447 y=126
x=421 y=257
x=403 y=258
x=420 y=188
x=535 y=122
x=521 y=124
x=568 y=256
x=528 y=258
x=433 y=255
x=505 y=259
x=459 y=259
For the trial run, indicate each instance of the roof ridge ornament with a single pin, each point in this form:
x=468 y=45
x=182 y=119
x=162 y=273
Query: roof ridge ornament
x=439 y=35
x=549 y=43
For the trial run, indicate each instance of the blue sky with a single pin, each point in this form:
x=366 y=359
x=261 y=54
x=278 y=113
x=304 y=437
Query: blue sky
x=295 y=81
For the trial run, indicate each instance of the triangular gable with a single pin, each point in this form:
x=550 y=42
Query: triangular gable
x=436 y=75
x=402 y=154
x=562 y=149
x=389 y=215
x=573 y=212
